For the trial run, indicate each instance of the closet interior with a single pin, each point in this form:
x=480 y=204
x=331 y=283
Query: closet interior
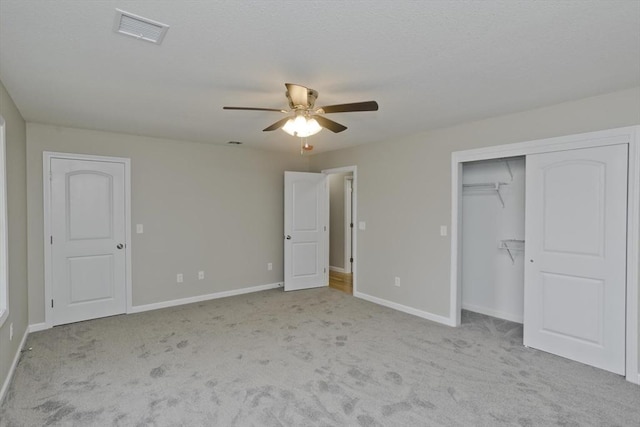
x=493 y=226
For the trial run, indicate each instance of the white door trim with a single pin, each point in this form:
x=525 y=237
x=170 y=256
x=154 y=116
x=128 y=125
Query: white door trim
x=348 y=230
x=626 y=135
x=46 y=191
x=354 y=215
x=4 y=229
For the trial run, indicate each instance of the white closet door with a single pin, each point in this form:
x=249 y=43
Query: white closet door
x=575 y=255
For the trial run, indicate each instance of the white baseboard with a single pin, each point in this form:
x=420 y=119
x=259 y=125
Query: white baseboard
x=36 y=327
x=200 y=298
x=424 y=314
x=7 y=381
x=336 y=269
x=493 y=313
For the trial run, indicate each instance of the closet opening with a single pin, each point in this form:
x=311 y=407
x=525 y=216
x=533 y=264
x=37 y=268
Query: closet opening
x=492 y=237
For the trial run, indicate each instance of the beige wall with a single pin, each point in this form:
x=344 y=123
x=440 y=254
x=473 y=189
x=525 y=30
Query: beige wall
x=336 y=219
x=203 y=207
x=404 y=191
x=17 y=212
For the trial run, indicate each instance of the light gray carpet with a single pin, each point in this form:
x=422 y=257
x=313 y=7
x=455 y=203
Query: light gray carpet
x=307 y=358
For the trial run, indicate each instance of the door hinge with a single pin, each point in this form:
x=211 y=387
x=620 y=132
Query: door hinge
x=51 y=239
x=351 y=225
x=350 y=259
x=51 y=303
x=325 y=228
x=325 y=270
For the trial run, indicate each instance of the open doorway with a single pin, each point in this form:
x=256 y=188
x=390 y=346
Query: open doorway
x=341 y=183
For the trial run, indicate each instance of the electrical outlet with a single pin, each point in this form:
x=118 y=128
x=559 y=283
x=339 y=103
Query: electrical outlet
x=200 y=275
x=270 y=266
x=397 y=282
x=179 y=278
x=11 y=332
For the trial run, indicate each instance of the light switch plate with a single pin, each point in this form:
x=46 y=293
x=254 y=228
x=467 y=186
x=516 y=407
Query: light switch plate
x=362 y=225
x=139 y=228
x=443 y=230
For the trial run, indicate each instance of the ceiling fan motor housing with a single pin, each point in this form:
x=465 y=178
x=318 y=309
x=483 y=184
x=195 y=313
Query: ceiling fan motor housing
x=312 y=95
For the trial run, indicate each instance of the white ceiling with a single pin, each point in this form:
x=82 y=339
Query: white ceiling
x=428 y=63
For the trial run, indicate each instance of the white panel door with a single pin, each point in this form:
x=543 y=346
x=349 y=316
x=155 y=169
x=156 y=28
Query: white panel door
x=575 y=255
x=88 y=239
x=305 y=229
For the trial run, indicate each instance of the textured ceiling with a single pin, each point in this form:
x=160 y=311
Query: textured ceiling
x=427 y=63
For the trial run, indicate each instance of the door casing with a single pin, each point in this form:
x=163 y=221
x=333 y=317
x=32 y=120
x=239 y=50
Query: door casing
x=348 y=222
x=626 y=135
x=46 y=190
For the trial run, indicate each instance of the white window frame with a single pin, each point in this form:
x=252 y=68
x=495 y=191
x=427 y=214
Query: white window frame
x=4 y=229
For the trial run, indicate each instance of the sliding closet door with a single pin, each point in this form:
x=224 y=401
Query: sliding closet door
x=575 y=254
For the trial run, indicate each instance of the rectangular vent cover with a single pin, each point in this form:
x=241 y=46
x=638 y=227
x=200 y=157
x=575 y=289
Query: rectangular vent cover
x=141 y=28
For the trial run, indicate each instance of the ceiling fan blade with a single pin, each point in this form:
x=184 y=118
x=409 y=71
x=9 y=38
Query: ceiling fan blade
x=255 y=109
x=276 y=125
x=354 y=106
x=334 y=127
x=298 y=94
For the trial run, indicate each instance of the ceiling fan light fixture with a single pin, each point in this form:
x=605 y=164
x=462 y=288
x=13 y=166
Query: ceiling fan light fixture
x=302 y=127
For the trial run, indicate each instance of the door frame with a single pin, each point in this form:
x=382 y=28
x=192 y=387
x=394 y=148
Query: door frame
x=47 y=156
x=348 y=220
x=626 y=135
x=354 y=215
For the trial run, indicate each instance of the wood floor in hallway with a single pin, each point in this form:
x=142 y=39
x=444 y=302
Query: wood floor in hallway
x=341 y=281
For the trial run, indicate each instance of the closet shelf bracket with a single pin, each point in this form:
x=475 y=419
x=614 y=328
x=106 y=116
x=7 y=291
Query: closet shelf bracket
x=506 y=162
x=512 y=246
x=489 y=186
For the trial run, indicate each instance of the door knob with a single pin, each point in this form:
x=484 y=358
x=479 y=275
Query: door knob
x=288 y=237
x=120 y=246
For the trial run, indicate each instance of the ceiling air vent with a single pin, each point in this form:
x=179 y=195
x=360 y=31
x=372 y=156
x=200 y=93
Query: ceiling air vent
x=141 y=28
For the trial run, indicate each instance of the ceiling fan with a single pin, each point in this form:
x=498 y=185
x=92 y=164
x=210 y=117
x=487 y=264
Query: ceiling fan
x=303 y=118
